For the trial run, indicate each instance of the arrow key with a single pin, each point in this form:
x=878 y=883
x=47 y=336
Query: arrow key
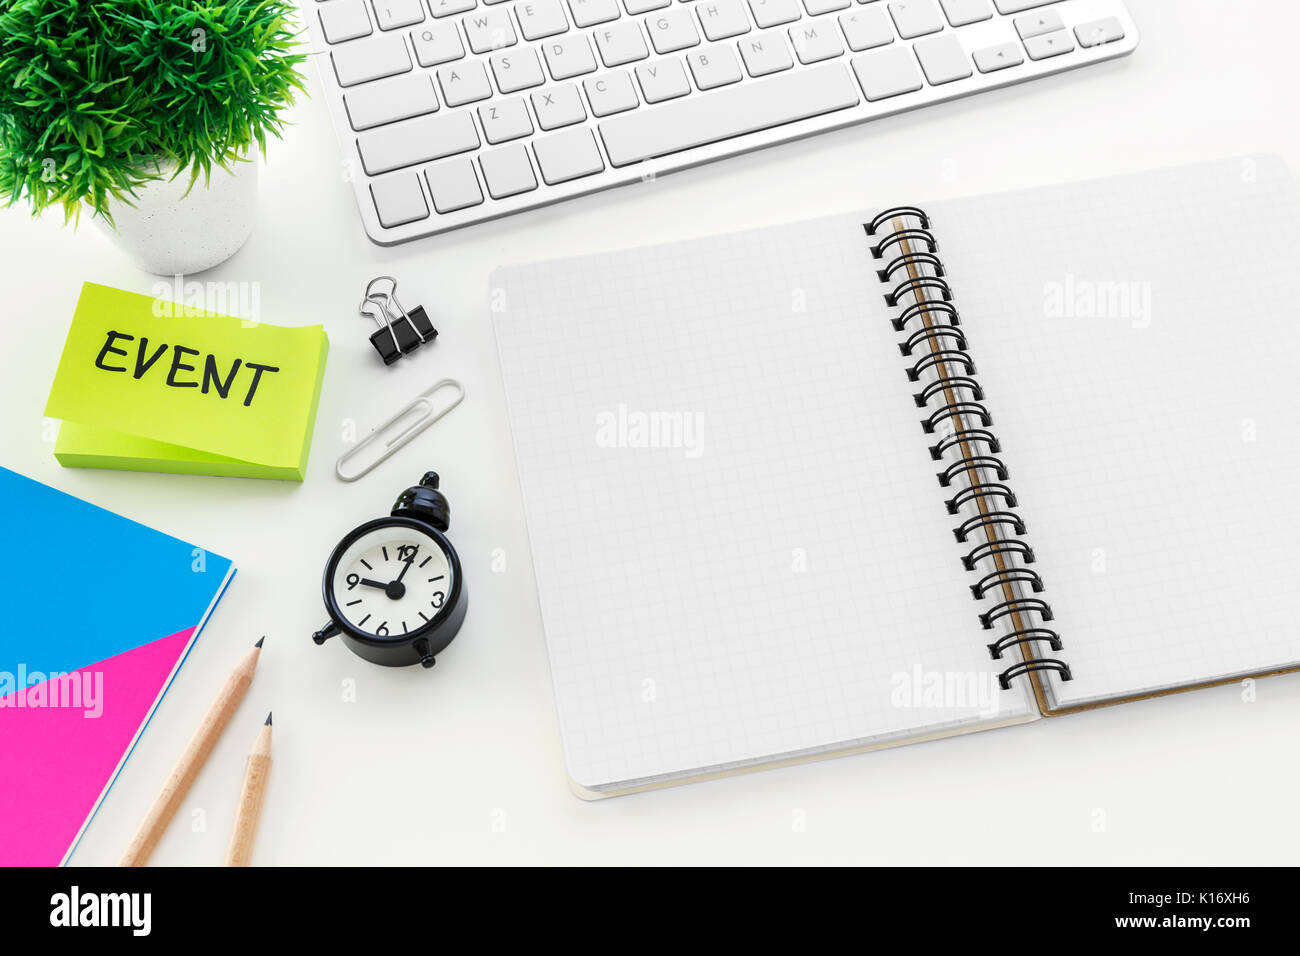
x=1050 y=44
x=1036 y=24
x=998 y=57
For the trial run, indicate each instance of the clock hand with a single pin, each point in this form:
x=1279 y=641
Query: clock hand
x=409 y=562
x=373 y=584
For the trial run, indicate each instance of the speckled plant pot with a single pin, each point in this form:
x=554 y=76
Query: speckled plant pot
x=169 y=232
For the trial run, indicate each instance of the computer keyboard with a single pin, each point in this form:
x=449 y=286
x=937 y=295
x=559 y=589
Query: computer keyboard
x=456 y=111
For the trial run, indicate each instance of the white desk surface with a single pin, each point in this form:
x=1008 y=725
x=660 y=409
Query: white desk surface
x=463 y=764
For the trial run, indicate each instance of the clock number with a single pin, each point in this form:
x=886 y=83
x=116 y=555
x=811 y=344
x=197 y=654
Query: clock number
x=407 y=552
x=438 y=598
x=382 y=630
x=353 y=581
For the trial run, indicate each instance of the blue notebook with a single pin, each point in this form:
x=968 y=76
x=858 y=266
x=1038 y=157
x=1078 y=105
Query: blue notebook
x=77 y=687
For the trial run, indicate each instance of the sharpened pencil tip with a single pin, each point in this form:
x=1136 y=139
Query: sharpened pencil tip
x=260 y=640
x=268 y=719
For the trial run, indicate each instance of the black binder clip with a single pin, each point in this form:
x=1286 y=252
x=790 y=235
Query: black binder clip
x=399 y=331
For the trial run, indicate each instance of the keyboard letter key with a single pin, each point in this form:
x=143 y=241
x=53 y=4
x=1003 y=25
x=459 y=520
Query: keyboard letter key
x=569 y=57
x=765 y=53
x=436 y=44
x=611 y=93
x=722 y=19
x=505 y=119
x=464 y=83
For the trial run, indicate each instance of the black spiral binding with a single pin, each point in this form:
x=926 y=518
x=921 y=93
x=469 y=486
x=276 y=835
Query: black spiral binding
x=933 y=339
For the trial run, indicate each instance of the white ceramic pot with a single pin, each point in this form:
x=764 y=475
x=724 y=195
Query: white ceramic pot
x=169 y=232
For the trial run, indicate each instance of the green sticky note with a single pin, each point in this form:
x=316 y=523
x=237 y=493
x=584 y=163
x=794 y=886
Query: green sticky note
x=150 y=385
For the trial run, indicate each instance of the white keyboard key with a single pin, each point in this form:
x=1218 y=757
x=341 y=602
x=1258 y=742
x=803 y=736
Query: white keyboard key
x=489 y=30
x=773 y=13
x=399 y=199
x=436 y=44
x=816 y=8
x=417 y=141
x=374 y=59
x=915 y=18
x=816 y=40
x=559 y=106
x=621 y=43
x=388 y=101
x=590 y=13
x=464 y=83
x=448 y=8
x=942 y=59
x=611 y=93
x=1016 y=6
x=714 y=66
x=391 y=14
x=726 y=113
x=887 y=73
x=517 y=70
x=994 y=58
x=505 y=119
x=568 y=155
x=344 y=20
x=662 y=80
x=638 y=7
x=671 y=31
x=1097 y=32
x=962 y=12
x=765 y=53
x=539 y=19
x=507 y=172
x=1036 y=24
x=453 y=185
x=1049 y=45
x=866 y=29
x=569 y=57
x=722 y=19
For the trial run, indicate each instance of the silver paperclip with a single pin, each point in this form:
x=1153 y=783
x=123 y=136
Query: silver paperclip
x=404 y=432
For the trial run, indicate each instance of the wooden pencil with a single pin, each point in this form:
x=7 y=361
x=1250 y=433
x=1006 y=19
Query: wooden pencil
x=251 y=795
x=191 y=760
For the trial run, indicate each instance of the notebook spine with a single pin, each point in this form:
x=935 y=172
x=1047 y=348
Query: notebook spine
x=939 y=361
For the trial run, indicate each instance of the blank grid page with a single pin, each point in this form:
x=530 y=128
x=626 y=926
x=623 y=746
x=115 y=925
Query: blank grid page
x=1138 y=338
x=740 y=546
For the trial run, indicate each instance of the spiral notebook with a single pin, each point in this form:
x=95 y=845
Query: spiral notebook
x=911 y=472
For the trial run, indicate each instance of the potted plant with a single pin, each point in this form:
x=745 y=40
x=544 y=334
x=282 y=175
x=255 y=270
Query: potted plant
x=145 y=113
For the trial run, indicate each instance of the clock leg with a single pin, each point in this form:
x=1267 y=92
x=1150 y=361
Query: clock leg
x=325 y=633
x=422 y=648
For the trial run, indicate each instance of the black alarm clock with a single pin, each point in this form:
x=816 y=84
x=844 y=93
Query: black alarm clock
x=393 y=586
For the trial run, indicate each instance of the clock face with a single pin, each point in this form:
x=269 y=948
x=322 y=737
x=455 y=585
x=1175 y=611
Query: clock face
x=392 y=581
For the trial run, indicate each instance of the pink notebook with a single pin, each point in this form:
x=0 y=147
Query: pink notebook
x=74 y=700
